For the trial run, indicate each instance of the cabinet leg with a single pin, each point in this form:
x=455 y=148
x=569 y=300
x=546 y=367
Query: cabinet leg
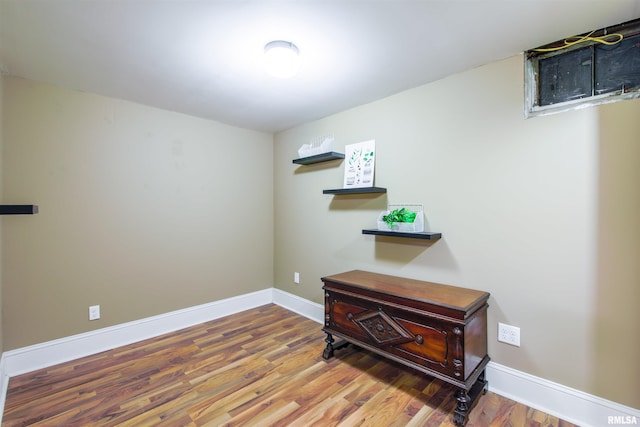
x=331 y=347
x=328 y=351
x=484 y=383
x=468 y=399
x=462 y=409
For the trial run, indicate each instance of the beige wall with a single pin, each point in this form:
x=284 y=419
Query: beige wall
x=142 y=211
x=145 y=211
x=517 y=202
x=1 y=201
x=616 y=319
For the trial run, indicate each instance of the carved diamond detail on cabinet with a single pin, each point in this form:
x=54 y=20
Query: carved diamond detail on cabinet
x=382 y=328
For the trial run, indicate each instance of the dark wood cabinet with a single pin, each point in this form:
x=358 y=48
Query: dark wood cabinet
x=439 y=330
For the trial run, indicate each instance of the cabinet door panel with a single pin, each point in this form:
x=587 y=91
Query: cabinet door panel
x=342 y=313
x=430 y=343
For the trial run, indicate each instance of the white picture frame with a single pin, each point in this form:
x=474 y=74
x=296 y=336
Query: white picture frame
x=359 y=166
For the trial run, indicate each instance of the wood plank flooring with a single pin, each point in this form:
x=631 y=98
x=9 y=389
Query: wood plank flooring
x=261 y=367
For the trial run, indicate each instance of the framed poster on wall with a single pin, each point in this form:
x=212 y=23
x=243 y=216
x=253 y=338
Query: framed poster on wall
x=359 y=164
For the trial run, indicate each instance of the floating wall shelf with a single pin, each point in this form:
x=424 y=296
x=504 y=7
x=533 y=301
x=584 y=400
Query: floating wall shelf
x=355 y=190
x=425 y=235
x=18 y=209
x=324 y=157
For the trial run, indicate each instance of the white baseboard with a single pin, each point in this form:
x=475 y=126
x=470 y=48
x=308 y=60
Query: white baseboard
x=299 y=305
x=555 y=399
x=4 y=386
x=27 y=359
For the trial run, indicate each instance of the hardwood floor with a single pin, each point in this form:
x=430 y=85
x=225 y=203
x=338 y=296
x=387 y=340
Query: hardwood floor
x=261 y=367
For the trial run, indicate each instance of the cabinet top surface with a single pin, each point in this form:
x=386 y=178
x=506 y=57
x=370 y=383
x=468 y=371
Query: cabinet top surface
x=434 y=293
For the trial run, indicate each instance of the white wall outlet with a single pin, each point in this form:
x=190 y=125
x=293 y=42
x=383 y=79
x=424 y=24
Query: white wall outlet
x=94 y=312
x=509 y=334
x=296 y=277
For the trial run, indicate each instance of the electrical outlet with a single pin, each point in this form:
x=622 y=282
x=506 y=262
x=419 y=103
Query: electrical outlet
x=94 y=312
x=509 y=334
x=296 y=277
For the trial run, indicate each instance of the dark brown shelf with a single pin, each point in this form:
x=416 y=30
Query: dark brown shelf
x=355 y=190
x=18 y=209
x=318 y=158
x=425 y=235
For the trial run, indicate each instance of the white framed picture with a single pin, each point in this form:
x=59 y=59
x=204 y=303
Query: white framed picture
x=359 y=164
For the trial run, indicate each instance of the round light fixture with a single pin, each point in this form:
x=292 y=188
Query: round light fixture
x=282 y=59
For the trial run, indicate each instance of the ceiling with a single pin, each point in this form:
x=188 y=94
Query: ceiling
x=204 y=57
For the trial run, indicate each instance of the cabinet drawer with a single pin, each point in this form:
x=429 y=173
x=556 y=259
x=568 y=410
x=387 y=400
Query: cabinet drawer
x=425 y=341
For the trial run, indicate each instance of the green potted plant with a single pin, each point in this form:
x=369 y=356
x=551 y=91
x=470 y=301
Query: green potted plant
x=408 y=218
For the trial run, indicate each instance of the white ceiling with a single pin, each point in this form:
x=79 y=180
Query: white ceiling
x=203 y=57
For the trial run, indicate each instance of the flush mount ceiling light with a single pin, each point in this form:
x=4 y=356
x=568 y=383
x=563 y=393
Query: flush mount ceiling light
x=282 y=59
